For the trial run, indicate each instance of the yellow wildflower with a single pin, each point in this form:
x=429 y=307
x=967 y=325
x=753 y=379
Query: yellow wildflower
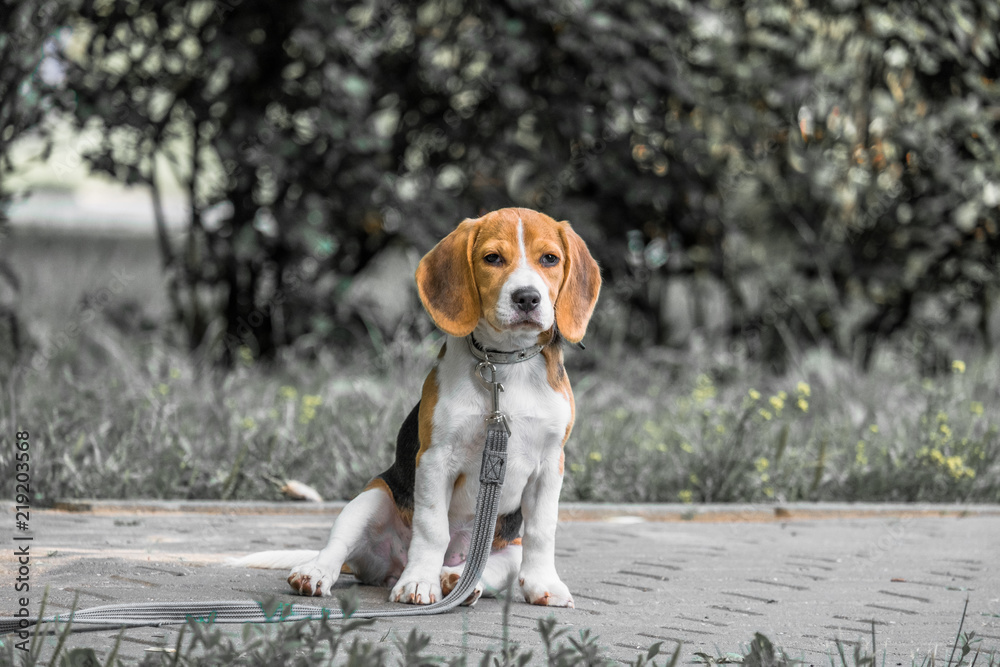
x=312 y=400
x=942 y=416
x=873 y=428
x=175 y=373
x=803 y=389
x=693 y=478
x=803 y=405
x=860 y=457
x=783 y=395
x=686 y=496
x=163 y=389
x=596 y=456
x=958 y=469
x=705 y=389
x=946 y=431
x=719 y=428
x=976 y=408
x=762 y=464
x=958 y=366
x=307 y=415
x=777 y=402
x=288 y=393
x=686 y=446
x=769 y=491
x=764 y=477
x=248 y=423
x=754 y=394
x=765 y=414
x=954 y=464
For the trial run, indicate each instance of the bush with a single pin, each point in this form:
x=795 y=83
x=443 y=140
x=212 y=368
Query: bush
x=831 y=173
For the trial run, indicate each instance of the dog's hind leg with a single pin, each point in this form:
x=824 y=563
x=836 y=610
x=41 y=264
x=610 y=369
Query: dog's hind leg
x=368 y=515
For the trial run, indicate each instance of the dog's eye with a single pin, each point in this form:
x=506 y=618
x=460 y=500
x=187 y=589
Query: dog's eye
x=549 y=259
x=494 y=259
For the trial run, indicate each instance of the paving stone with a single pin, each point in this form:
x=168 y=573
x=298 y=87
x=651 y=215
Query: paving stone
x=806 y=576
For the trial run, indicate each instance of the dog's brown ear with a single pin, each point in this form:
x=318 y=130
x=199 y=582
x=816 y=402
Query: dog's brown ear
x=446 y=284
x=581 y=285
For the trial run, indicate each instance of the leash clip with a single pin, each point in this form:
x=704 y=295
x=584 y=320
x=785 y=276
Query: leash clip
x=495 y=416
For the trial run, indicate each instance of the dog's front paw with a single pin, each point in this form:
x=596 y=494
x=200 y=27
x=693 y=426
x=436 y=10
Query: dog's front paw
x=416 y=590
x=449 y=582
x=546 y=590
x=313 y=578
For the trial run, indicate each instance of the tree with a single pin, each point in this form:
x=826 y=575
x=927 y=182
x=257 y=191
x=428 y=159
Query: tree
x=834 y=170
x=28 y=33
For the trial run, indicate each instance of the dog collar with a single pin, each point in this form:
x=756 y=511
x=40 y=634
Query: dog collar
x=500 y=357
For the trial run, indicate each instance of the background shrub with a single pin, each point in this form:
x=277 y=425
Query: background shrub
x=776 y=176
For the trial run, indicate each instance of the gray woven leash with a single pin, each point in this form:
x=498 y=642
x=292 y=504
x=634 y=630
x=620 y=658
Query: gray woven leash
x=491 y=475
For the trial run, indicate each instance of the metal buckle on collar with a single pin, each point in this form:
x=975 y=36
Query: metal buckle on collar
x=496 y=416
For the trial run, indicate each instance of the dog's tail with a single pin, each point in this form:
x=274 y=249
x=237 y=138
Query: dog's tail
x=274 y=560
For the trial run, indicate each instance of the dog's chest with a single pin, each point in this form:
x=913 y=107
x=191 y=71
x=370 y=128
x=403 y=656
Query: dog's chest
x=537 y=414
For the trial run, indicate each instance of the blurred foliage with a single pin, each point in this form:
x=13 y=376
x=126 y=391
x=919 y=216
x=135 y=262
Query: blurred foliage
x=830 y=173
x=25 y=30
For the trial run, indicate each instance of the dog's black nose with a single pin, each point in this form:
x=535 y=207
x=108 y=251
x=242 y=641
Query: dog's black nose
x=526 y=299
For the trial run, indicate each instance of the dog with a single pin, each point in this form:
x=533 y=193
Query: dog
x=513 y=281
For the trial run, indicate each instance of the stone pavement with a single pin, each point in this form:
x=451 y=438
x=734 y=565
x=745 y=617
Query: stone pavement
x=706 y=576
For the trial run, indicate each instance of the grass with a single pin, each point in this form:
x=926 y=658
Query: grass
x=129 y=415
x=321 y=642
x=116 y=409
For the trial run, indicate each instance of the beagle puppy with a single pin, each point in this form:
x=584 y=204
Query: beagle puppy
x=514 y=283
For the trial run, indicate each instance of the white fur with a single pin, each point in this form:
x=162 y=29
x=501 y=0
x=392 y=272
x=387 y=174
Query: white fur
x=523 y=275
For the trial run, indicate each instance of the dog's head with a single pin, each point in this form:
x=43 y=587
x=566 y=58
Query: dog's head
x=517 y=270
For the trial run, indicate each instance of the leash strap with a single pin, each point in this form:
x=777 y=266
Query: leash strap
x=491 y=476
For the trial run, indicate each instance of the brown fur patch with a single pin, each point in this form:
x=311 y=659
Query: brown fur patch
x=580 y=287
x=428 y=402
x=446 y=283
x=378 y=483
x=555 y=371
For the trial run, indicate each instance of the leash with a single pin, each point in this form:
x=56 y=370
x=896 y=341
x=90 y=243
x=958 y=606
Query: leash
x=491 y=476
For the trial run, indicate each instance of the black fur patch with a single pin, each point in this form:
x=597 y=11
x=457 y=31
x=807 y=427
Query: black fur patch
x=399 y=477
x=508 y=528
